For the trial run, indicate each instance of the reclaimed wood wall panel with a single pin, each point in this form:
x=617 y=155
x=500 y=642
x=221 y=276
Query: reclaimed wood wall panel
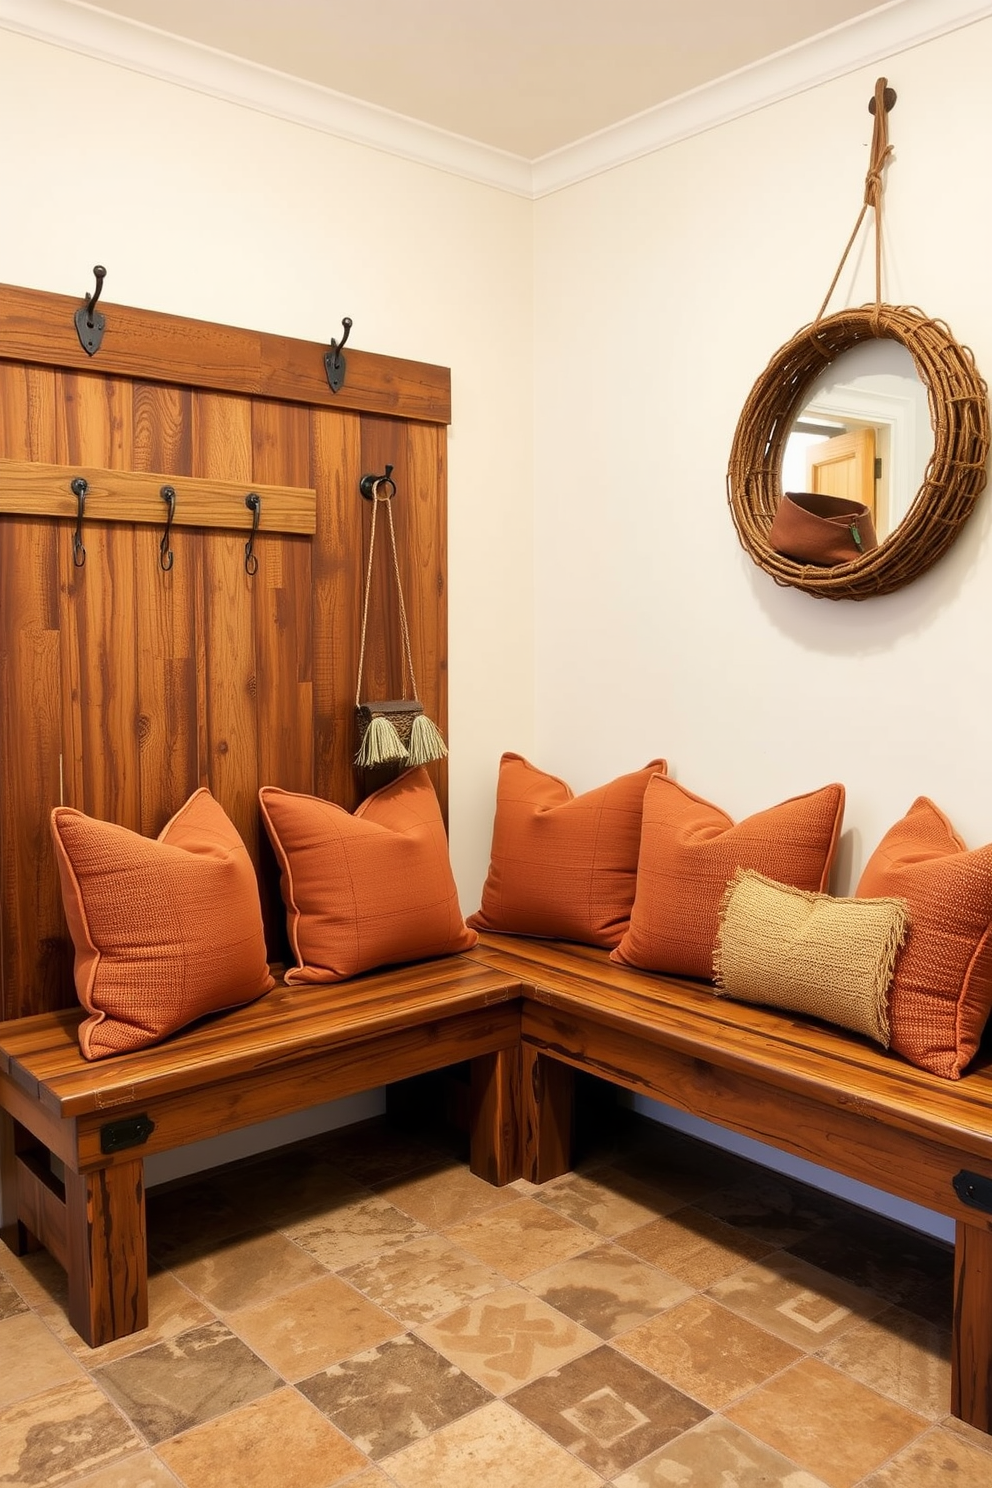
x=125 y=686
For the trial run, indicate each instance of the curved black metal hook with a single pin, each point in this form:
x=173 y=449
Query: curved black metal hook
x=371 y=486
x=79 y=487
x=90 y=323
x=165 y=555
x=254 y=504
x=334 y=363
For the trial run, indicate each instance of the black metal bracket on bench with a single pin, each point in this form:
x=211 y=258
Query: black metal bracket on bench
x=133 y=1131
x=974 y=1190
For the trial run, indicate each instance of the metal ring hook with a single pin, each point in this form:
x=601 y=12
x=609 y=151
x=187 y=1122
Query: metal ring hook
x=79 y=487
x=254 y=504
x=369 y=486
x=165 y=555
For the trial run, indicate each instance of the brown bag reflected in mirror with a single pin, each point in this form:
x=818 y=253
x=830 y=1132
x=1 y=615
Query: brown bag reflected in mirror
x=826 y=530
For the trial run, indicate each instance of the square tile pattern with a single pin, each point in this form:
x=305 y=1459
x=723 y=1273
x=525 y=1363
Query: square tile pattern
x=360 y=1310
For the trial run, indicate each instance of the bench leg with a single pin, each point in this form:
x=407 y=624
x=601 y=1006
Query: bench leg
x=107 y=1252
x=971 y=1346
x=495 y=1128
x=546 y=1107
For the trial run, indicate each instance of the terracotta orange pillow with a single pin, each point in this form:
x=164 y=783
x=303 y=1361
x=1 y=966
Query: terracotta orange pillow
x=690 y=849
x=364 y=890
x=942 y=991
x=165 y=930
x=563 y=866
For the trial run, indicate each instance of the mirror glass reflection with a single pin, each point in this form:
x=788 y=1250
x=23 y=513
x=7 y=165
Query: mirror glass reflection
x=864 y=433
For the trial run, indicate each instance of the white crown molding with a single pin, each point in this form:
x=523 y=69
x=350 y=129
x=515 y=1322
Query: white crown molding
x=881 y=33
x=96 y=33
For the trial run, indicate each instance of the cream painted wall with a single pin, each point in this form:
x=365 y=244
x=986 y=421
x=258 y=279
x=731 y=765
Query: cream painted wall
x=662 y=288
x=208 y=209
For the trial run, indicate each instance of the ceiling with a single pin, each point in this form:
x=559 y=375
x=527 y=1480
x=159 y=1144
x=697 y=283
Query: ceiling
x=528 y=77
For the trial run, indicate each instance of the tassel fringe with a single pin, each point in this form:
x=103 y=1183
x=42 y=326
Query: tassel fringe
x=381 y=745
x=426 y=743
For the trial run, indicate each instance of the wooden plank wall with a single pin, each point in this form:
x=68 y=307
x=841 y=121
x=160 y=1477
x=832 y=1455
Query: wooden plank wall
x=124 y=687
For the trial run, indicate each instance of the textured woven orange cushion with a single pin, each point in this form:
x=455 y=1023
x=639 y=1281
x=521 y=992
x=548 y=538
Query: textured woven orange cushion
x=690 y=849
x=165 y=931
x=942 y=991
x=562 y=866
x=364 y=890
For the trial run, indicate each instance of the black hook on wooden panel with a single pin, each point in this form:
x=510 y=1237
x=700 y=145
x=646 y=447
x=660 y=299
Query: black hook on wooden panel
x=371 y=486
x=334 y=363
x=90 y=323
x=165 y=554
x=79 y=487
x=254 y=504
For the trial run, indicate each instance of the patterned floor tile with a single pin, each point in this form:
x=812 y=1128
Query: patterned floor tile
x=904 y=1268
x=374 y=1152
x=507 y=1339
x=194 y=1215
x=607 y=1410
x=835 y=1428
x=247 y=1271
x=607 y=1202
x=708 y=1352
x=496 y=1447
x=11 y=1301
x=143 y=1470
x=172 y=1309
x=607 y=1290
x=521 y=1238
x=424 y=1392
x=32 y=1359
x=773 y=1209
x=185 y=1381
x=900 y=1355
x=356 y=1232
x=938 y=1458
x=423 y=1280
x=281 y=1439
x=717 y=1453
x=60 y=1435
x=312 y=1326
x=798 y=1303
x=292 y=1186
x=694 y=1246
x=446 y=1195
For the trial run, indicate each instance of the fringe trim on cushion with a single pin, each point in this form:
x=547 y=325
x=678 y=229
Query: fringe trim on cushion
x=426 y=743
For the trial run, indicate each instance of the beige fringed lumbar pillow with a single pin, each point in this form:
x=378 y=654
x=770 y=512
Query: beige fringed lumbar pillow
x=829 y=958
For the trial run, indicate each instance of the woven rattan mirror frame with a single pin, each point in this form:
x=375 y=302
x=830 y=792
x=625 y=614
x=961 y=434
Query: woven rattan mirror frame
x=956 y=474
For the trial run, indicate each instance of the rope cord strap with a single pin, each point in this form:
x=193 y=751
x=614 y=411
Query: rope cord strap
x=880 y=152
x=394 y=732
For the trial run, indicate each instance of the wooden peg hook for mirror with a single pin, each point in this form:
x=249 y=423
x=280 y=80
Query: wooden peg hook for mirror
x=888 y=98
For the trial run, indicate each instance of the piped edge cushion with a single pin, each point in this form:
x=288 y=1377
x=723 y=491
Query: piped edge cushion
x=368 y=888
x=563 y=867
x=165 y=930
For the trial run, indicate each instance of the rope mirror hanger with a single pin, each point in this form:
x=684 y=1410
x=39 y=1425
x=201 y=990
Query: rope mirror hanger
x=958 y=402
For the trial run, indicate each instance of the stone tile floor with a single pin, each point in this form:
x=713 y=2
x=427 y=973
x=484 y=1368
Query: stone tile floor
x=360 y=1310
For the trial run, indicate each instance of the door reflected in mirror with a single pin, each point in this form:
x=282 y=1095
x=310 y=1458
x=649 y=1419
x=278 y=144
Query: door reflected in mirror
x=864 y=433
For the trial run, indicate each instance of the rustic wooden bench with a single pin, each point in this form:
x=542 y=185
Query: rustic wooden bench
x=527 y=1014
x=805 y=1088
x=293 y=1049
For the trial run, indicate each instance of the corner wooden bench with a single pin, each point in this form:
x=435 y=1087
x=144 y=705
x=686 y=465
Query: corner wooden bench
x=293 y=1049
x=527 y=1014
x=808 y=1089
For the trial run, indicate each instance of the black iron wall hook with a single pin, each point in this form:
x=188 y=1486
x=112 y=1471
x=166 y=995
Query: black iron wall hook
x=371 y=486
x=165 y=554
x=79 y=487
x=90 y=323
x=254 y=504
x=334 y=363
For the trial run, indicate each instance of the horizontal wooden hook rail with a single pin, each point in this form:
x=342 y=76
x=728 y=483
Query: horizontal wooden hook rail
x=28 y=489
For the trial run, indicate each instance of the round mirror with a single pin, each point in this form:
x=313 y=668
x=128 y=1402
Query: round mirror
x=863 y=433
x=879 y=405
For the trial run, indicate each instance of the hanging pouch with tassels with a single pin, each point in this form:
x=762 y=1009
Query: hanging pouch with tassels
x=395 y=731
